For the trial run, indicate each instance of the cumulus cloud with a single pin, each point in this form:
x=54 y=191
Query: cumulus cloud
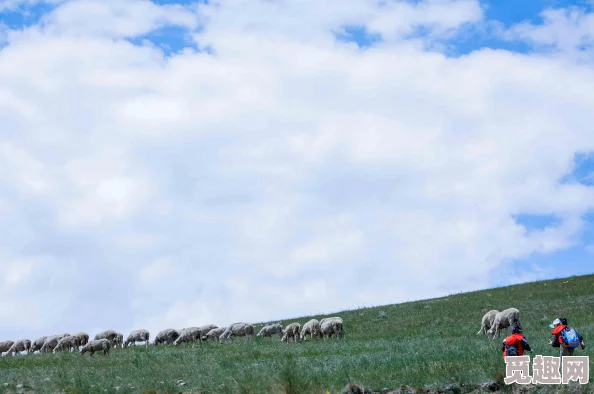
x=282 y=173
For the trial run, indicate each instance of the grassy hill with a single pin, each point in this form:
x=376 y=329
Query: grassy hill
x=430 y=343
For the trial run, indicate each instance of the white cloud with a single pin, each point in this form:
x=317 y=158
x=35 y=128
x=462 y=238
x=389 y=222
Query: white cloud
x=567 y=30
x=286 y=174
x=113 y=18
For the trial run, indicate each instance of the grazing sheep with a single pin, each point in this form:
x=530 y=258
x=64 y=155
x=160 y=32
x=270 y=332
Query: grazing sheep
x=311 y=328
x=70 y=342
x=19 y=346
x=214 y=334
x=118 y=340
x=291 y=331
x=190 y=334
x=50 y=343
x=331 y=325
x=5 y=346
x=110 y=335
x=504 y=319
x=167 y=337
x=237 y=330
x=38 y=344
x=487 y=321
x=141 y=335
x=271 y=329
x=97 y=345
x=206 y=329
x=82 y=337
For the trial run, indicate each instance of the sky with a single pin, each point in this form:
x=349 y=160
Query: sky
x=172 y=164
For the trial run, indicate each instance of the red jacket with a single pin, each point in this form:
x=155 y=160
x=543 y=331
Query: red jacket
x=517 y=340
x=557 y=334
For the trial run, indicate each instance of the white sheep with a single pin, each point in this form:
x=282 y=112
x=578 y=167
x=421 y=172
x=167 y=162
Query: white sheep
x=19 y=346
x=214 y=334
x=38 y=344
x=97 y=345
x=70 y=342
x=206 y=329
x=167 y=336
x=189 y=334
x=271 y=329
x=110 y=335
x=118 y=340
x=311 y=328
x=237 y=330
x=5 y=346
x=487 y=321
x=291 y=331
x=50 y=343
x=141 y=335
x=504 y=319
x=82 y=337
x=331 y=325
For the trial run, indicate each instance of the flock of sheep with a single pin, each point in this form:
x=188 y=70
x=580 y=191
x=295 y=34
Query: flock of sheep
x=106 y=340
x=491 y=325
x=494 y=321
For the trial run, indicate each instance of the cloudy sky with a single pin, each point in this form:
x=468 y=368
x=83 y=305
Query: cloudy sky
x=171 y=164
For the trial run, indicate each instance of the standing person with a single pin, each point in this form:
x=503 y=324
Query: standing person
x=515 y=344
x=564 y=337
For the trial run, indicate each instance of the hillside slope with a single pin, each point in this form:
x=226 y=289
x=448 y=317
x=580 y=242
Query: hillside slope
x=425 y=343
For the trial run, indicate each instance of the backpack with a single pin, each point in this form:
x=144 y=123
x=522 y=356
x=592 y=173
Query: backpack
x=570 y=337
x=511 y=350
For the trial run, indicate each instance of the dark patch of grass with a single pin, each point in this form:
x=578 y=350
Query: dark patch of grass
x=428 y=343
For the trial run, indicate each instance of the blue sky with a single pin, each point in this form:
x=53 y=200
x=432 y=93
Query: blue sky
x=228 y=162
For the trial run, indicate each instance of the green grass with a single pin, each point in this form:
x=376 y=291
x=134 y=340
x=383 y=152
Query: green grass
x=430 y=343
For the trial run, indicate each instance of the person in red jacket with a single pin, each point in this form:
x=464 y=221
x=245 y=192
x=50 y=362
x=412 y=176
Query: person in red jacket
x=558 y=326
x=515 y=344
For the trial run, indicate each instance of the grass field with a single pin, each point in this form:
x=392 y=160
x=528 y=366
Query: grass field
x=424 y=344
